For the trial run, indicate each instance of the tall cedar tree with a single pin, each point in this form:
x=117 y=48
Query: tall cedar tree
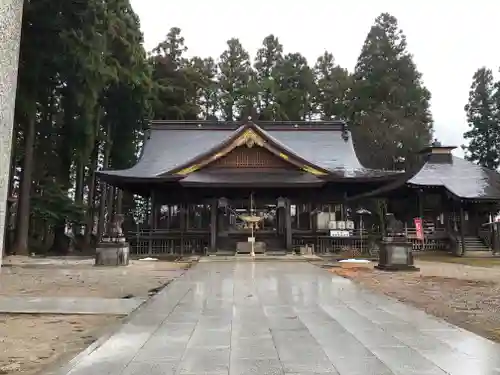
x=93 y=64
x=171 y=79
x=268 y=57
x=296 y=88
x=235 y=79
x=484 y=135
x=333 y=84
x=390 y=105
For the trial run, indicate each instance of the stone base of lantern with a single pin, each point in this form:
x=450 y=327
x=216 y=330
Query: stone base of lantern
x=246 y=247
x=112 y=254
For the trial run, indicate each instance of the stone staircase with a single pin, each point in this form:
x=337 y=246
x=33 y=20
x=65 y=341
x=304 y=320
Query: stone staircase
x=473 y=243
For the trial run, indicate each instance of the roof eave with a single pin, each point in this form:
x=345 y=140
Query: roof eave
x=451 y=193
x=123 y=178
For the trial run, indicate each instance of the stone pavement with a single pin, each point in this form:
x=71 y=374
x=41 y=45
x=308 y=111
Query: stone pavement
x=68 y=305
x=282 y=318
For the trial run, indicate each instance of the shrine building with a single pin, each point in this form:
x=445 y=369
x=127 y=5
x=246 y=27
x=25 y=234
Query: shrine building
x=304 y=187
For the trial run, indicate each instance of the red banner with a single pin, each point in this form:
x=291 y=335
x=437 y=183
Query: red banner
x=419 y=228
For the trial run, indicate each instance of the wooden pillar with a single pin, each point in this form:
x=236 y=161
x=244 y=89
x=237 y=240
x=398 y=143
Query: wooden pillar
x=462 y=229
x=496 y=237
x=446 y=217
x=344 y=208
x=493 y=231
x=183 y=222
x=111 y=201
x=213 y=225
x=278 y=223
x=420 y=205
x=288 y=226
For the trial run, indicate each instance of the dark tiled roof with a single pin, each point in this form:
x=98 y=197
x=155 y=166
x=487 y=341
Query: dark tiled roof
x=254 y=179
x=462 y=178
x=167 y=149
x=329 y=148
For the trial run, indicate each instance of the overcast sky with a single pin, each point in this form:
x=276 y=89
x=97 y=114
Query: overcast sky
x=449 y=39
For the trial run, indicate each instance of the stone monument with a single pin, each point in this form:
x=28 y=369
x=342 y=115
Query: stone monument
x=11 y=12
x=395 y=252
x=113 y=249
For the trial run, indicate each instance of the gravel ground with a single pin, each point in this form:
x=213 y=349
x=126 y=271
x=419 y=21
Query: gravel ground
x=22 y=276
x=463 y=295
x=28 y=343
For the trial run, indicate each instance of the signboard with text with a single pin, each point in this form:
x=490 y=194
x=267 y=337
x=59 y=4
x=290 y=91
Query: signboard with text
x=340 y=233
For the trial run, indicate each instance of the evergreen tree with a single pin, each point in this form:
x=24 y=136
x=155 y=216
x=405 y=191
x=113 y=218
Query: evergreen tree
x=235 y=73
x=296 y=88
x=171 y=80
x=484 y=135
x=83 y=71
x=202 y=90
x=333 y=87
x=390 y=105
x=268 y=57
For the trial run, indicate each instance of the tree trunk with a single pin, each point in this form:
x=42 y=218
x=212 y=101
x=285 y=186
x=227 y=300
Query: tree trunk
x=110 y=202
x=89 y=223
x=23 y=208
x=62 y=243
x=103 y=186
x=7 y=238
x=79 y=181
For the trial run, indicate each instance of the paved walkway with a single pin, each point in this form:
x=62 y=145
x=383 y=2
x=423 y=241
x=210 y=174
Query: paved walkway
x=289 y=318
x=68 y=305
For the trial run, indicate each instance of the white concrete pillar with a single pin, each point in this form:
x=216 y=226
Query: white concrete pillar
x=10 y=36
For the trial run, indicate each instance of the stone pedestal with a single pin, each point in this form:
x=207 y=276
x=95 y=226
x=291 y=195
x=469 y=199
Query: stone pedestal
x=395 y=255
x=246 y=247
x=306 y=250
x=112 y=253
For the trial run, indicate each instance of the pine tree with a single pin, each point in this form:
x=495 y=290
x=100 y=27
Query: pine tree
x=390 y=105
x=483 y=136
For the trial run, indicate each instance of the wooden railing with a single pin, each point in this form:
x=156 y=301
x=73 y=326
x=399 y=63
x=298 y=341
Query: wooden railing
x=159 y=242
x=437 y=239
x=358 y=242
x=365 y=242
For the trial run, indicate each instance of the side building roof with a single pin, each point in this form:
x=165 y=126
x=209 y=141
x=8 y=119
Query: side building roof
x=462 y=178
